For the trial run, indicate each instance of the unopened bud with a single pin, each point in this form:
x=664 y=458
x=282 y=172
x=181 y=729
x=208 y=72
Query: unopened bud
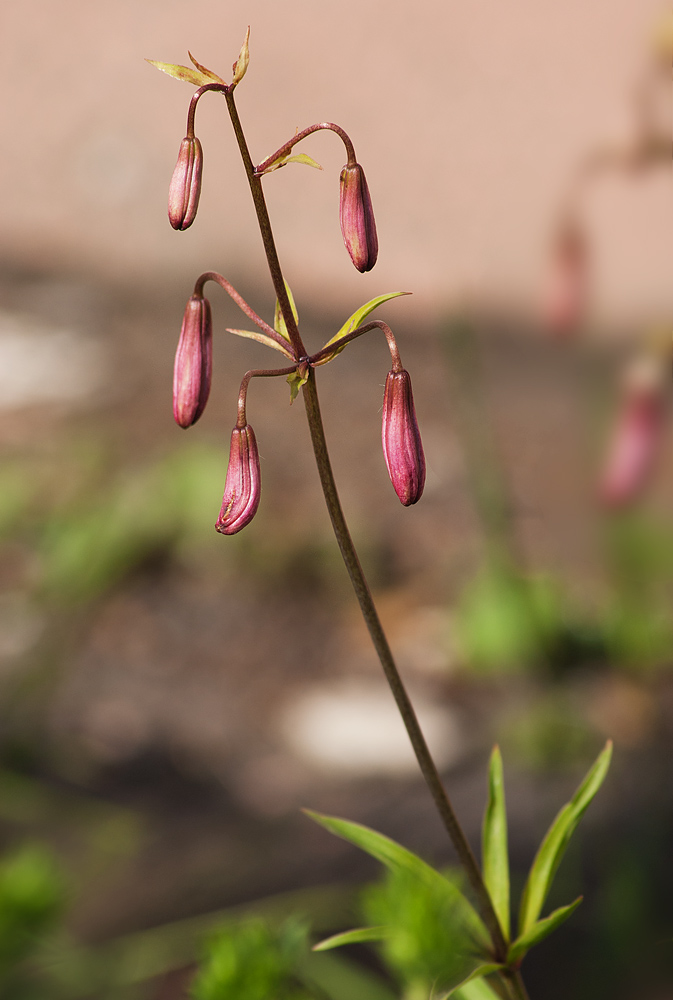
x=402 y=448
x=185 y=186
x=637 y=436
x=565 y=293
x=357 y=218
x=243 y=485
x=193 y=362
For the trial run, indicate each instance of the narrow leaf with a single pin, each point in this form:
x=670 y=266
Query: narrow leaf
x=554 y=845
x=482 y=970
x=214 y=78
x=303 y=158
x=539 y=931
x=477 y=989
x=354 y=321
x=241 y=64
x=262 y=339
x=279 y=324
x=352 y=937
x=184 y=73
x=336 y=978
x=396 y=857
x=495 y=862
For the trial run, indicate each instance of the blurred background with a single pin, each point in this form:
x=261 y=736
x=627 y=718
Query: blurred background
x=171 y=698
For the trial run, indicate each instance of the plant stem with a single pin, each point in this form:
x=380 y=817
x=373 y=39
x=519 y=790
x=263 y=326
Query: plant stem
x=359 y=582
x=378 y=637
x=265 y=229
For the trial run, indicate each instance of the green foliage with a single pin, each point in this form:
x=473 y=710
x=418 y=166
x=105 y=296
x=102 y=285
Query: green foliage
x=426 y=945
x=32 y=896
x=356 y=320
x=279 y=324
x=495 y=860
x=505 y=622
x=400 y=860
x=540 y=930
x=554 y=845
x=253 y=961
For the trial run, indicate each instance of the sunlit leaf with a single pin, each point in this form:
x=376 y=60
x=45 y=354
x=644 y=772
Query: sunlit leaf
x=482 y=970
x=303 y=158
x=539 y=931
x=262 y=339
x=554 y=845
x=279 y=324
x=241 y=64
x=354 y=321
x=206 y=72
x=352 y=937
x=495 y=862
x=476 y=989
x=398 y=858
x=184 y=73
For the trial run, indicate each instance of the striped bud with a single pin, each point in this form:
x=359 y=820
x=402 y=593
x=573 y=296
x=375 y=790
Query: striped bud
x=243 y=485
x=185 y=186
x=565 y=293
x=357 y=218
x=193 y=363
x=637 y=436
x=402 y=448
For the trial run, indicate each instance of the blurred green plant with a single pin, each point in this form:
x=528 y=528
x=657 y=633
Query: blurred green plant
x=32 y=899
x=428 y=932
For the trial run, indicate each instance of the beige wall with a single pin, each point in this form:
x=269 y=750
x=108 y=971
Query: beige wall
x=467 y=116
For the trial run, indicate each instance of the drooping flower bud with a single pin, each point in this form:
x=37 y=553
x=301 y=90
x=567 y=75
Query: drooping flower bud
x=564 y=296
x=637 y=436
x=185 y=186
x=193 y=362
x=402 y=448
x=357 y=218
x=243 y=484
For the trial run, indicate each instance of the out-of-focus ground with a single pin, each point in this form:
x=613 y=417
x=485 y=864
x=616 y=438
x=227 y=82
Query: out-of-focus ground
x=171 y=698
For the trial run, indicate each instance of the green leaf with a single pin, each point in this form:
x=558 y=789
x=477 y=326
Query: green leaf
x=303 y=158
x=398 y=858
x=336 y=978
x=298 y=158
x=554 y=845
x=539 y=931
x=295 y=380
x=214 y=78
x=279 y=324
x=354 y=321
x=184 y=73
x=262 y=339
x=495 y=862
x=352 y=937
x=482 y=970
x=477 y=989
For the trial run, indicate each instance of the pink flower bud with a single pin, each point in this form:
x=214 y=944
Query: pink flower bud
x=564 y=297
x=357 y=218
x=185 y=186
x=637 y=436
x=193 y=362
x=402 y=448
x=243 y=485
